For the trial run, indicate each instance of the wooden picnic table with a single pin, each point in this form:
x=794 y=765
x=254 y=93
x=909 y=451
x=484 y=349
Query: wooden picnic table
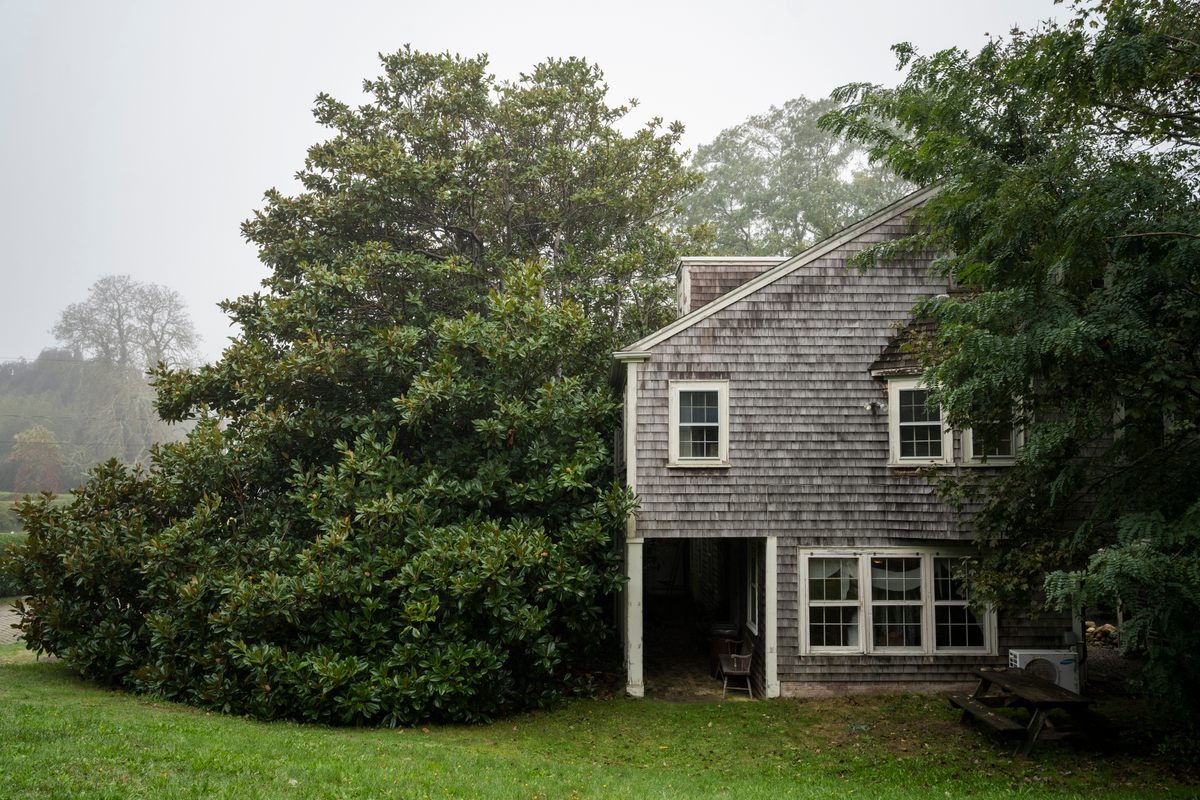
x=1020 y=689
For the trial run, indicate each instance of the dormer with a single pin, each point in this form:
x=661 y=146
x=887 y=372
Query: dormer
x=701 y=279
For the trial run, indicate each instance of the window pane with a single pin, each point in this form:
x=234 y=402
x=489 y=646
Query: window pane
x=698 y=407
x=833 y=626
x=833 y=579
x=913 y=408
x=895 y=578
x=946 y=586
x=957 y=626
x=896 y=626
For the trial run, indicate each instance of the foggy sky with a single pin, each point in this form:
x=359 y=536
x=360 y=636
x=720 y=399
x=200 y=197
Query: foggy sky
x=136 y=136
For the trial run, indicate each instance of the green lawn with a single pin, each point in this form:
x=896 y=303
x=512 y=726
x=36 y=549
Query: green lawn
x=62 y=738
x=8 y=517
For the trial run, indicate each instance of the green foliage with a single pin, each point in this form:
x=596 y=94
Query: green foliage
x=9 y=587
x=1068 y=160
x=449 y=163
x=397 y=501
x=777 y=182
x=445 y=556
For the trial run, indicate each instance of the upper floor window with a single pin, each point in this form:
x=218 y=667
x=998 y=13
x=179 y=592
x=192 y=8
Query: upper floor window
x=699 y=435
x=999 y=447
x=916 y=431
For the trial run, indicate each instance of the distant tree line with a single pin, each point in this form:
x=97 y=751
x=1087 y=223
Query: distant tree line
x=777 y=182
x=90 y=400
x=64 y=410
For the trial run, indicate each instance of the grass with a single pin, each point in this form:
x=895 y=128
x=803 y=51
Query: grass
x=8 y=516
x=63 y=738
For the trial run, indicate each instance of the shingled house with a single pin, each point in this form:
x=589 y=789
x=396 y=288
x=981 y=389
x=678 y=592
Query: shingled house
x=776 y=436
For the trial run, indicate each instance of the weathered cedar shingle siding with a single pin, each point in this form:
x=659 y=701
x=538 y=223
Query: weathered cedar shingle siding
x=703 y=280
x=807 y=458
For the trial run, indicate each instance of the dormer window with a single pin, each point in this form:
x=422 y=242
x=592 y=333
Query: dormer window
x=917 y=434
x=699 y=435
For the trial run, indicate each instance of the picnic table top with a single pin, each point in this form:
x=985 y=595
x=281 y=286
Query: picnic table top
x=1033 y=689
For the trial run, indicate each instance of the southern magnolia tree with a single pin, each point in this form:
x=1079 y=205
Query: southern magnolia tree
x=397 y=503
x=1068 y=160
x=777 y=182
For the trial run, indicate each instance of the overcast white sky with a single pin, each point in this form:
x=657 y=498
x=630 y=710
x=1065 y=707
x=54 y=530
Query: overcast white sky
x=136 y=136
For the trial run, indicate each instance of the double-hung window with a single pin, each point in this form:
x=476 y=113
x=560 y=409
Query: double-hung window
x=896 y=602
x=699 y=432
x=956 y=625
x=917 y=434
x=991 y=447
x=906 y=602
x=833 y=603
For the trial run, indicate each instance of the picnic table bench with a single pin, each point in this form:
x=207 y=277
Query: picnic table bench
x=1021 y=689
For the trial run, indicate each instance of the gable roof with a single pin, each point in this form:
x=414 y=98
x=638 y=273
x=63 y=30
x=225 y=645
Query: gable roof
x=639 y=350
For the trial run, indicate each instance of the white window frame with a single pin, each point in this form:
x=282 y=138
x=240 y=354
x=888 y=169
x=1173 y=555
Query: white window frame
x=988 y=625
x=970 y=459
x=722 y=390
x=895 y=386
x=753 y=562
x=866 y=638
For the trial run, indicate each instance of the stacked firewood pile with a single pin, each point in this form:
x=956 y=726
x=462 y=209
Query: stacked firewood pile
x=1101 y=635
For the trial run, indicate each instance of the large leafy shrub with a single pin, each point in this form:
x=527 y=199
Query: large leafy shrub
x=447 y=561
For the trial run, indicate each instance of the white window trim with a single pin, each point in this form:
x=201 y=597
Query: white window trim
x=722 y=390
x=895 y=386
x=866 y=636
x=969 y=459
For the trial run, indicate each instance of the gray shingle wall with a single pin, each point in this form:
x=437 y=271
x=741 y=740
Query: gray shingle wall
x=710 y=281
x=808 y=459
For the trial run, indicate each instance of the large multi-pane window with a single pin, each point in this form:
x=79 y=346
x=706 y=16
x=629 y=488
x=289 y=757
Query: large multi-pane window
x=906 y=602
x=699 y=423
x=956 y=624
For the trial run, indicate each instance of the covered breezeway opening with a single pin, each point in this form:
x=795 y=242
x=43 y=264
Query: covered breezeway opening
x=699 y=597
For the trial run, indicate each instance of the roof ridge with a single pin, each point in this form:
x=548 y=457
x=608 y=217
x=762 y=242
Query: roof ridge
x=638 y=350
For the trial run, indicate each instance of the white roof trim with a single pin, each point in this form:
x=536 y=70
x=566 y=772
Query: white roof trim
x=818 y=250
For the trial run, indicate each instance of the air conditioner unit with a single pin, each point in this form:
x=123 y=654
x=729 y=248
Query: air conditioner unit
x=1060 y=666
